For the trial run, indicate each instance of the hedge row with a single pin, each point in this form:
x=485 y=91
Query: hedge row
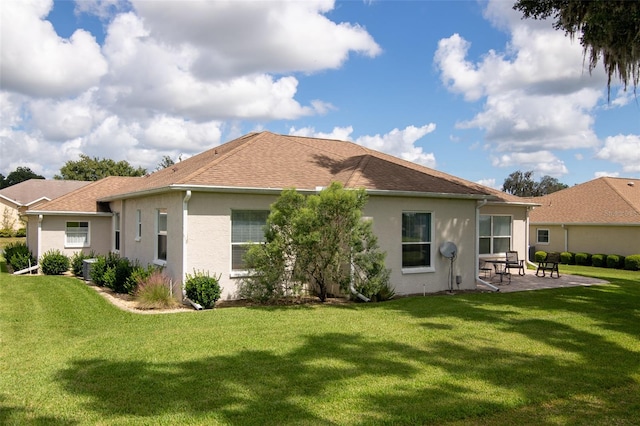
x=617 y=261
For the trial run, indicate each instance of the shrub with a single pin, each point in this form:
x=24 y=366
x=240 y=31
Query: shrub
x=385 y=293
x=540 y=256
x=567 y=258
x=203 y=289
x=21 y=232
x=6 y=233
x=18 y=256
x=140 y=275
x=632 y=262
x=54 y=262
x=77 y=262
x=98 y=270
x=112 y=271
x=599 y=260
x=583 y=259
x=154 y=291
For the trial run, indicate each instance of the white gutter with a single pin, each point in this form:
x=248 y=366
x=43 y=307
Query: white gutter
x=477 y=243
x=65 y=213
x=185 y=240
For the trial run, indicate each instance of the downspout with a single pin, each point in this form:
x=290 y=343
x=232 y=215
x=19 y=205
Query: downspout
x=566 y=237
x=40 y=218
x=477 y=267
x=352 y=288
x=528 y=238
x=185 y=240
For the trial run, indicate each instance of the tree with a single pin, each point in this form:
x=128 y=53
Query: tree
x=608 y=30
x=167 y=162
x=320 y=240
x=92 y=169
x=20 y=174
x=523 y=185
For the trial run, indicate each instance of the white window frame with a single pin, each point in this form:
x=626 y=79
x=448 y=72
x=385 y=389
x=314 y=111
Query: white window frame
x=87 y=239
x=138 y=225
x=117 y=242
x=423 y=268
x=538 y=236
x=492 y=237
x=161 y=233
x=238 y=243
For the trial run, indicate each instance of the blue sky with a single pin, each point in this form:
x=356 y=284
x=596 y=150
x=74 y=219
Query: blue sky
x=466 y=87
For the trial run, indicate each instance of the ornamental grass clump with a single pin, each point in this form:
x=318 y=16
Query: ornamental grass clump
x=154 y=292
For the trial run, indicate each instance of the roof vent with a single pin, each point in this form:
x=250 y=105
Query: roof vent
x=631 y=183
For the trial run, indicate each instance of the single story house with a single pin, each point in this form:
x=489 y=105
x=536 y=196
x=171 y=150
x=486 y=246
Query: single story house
x=16 y=199
x=200 y=213
x=598 y=216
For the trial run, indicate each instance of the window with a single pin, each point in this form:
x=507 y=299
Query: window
x=543 y=236
x=116 y=232
x=495 y=234
x=138 y=225
x=247 y=227
x=77 y=234
x=416 y=240
x=161 y=231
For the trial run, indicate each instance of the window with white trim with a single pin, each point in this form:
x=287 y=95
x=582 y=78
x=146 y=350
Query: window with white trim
x=161 y=232
x=495 y=234
x=138 y=225
x=542 y=236
x=116 y=232
x=416 y=239
x=247 y=227
x=77 y=234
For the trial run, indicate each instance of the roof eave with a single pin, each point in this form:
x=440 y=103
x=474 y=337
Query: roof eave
x=65 y=213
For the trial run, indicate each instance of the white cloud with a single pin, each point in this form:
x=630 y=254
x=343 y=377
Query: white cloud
x=491 y=183
x=624 y=150
x=399 y=143
x=36 y=61
x=606 y=174
x=541 y=162
x=537 y=95
x=274 y=37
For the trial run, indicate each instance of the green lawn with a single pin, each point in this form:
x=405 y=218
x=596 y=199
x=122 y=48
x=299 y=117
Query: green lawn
x=552 y=357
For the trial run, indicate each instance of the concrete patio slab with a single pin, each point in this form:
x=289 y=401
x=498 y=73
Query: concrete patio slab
x=531 y=282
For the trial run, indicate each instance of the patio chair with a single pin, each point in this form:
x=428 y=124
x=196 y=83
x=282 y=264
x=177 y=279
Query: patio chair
x=514 y=263
x=550 y=263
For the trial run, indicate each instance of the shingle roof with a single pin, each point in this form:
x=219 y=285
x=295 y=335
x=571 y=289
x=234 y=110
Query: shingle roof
x=604 y=200
x=269 y=161
x=84 y=198
x=25 y=193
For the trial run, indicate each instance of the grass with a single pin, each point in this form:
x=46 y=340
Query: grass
x=553 y=357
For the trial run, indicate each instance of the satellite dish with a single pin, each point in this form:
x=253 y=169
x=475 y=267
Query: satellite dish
x=448 y=250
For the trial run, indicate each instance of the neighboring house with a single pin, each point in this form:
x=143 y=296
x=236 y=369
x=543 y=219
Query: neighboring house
x=200 y=213
x=16 y=199
x=599 y=216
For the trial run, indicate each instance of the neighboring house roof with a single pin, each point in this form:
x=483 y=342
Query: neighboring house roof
x=270 y=161
x=84 y=199
x=265 y=160
x=32 y=191
x=605 y=200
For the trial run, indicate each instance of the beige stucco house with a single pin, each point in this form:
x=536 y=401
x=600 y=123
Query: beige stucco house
x=200 y=213
x=16 y=199
x=598 y=216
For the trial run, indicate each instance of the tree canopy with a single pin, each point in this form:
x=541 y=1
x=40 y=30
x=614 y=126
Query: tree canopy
x=523 y=185
x=20 y=174
x=320 y=240
x=608 y=30
x=92 y=169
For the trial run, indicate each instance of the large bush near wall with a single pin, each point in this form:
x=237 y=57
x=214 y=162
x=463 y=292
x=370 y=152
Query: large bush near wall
x=583 y=259
x=54 y=262
x=599 y=260
x=615 y=261
x=18 y=256
x=540 y=256
x=203 y=289
x=632 y=262
x=567 y=258
x=114 y=272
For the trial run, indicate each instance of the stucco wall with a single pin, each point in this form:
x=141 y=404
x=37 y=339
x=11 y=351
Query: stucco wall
x=53 y=229
x=622 y=240
x=9 y=215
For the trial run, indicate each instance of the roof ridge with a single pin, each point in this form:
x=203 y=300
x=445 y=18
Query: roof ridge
x=621 y=195
x=222 y=157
